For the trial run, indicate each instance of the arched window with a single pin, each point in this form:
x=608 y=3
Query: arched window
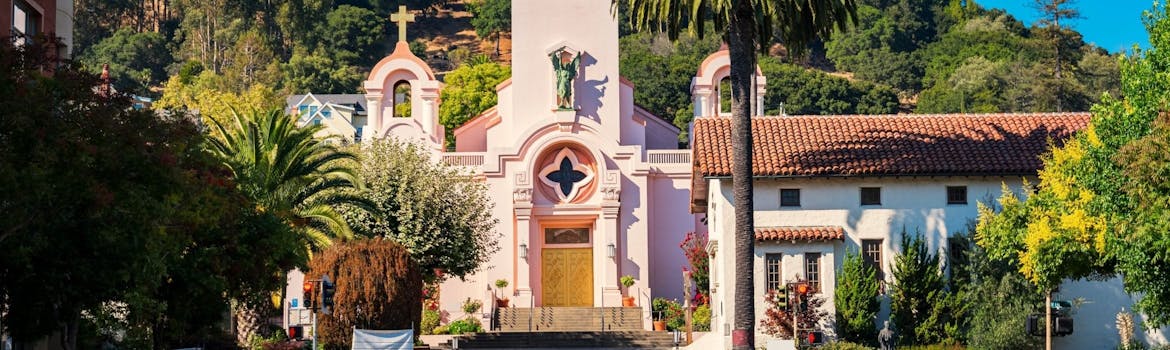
x=402 y=99
x=725 y=95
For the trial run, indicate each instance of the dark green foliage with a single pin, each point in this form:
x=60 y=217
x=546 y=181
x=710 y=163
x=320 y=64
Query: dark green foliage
x=419 y=49
x=661 y=72
x=119 y=211
x=491 y=17
x=319 y=73
x=800 y=91
x=1141 y=244
x=998 y=298
x=918 y=287
x=136 y=60
x=379 y=286
x=856 y=300
x=355 y=36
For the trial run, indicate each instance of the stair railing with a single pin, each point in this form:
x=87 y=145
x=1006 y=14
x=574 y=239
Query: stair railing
x=601 y=315
x=531 y=311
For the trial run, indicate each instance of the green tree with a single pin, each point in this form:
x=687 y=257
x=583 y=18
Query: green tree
x=1053 y=11
x=1082 y=221
x=490 y=17
x=997 y=295
x=137 y=61
x=438 y=213
x=319 y=73
x=211 y=96
x=747 y=27
x=354 y=35
x=662 y=71
x=918 y=287
x=801 y=91
x=115 y=208
x=470 y=90
x=291 y=174
x=856 y=300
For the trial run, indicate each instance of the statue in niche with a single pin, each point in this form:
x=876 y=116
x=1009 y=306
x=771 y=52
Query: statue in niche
x=565 y=70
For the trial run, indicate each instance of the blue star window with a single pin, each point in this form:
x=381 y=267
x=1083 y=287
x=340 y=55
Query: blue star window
x=566 y=176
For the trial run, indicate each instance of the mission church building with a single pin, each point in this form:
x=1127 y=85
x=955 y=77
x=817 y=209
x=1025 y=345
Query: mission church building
x=588 y=187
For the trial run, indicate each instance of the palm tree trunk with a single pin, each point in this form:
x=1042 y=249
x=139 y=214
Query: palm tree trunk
x=741 y=39
x=248 y=319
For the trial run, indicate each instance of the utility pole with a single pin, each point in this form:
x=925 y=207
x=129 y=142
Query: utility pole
x=1048 y=319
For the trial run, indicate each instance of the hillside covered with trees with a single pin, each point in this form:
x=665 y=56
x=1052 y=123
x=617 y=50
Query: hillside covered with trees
x=903 y=56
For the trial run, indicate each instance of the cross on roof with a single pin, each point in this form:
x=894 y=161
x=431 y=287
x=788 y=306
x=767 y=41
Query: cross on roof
x=402 y=17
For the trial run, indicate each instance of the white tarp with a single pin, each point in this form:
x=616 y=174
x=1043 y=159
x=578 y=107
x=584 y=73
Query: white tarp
x=365 y=339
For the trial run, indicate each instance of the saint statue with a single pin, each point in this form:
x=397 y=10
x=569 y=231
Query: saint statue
x=886 y=337
x=565 y=70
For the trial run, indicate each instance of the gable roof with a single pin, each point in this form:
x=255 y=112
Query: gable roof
x=358 y=101
x=887 y=145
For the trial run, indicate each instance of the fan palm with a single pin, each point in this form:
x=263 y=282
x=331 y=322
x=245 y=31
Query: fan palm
x=290 y=173
x=746 y=26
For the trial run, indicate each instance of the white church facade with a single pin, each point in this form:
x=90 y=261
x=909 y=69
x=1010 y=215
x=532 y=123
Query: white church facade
x=595 y=188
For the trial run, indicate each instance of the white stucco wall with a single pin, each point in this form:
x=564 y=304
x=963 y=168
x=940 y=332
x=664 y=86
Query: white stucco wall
x=909 y=204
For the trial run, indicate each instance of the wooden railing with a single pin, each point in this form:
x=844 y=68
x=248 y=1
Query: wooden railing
x=680 y=156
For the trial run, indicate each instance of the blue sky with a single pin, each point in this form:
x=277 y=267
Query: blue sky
x=1111 y=24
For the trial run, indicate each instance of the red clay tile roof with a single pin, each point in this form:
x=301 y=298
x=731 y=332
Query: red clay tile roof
x=808 y=233
x=889 y=145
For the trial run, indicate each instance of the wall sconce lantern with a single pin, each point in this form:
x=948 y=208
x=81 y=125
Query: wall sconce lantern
x=611 y=251
x=524 y=251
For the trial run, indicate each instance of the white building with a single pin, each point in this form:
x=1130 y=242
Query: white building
x=824 y=184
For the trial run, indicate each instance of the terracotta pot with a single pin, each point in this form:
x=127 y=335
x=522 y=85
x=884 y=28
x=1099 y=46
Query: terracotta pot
x=502 y=303
x=628 y=301
x=659 y=326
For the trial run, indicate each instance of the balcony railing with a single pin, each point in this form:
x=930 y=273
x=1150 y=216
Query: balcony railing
x=467 y=159
x=680 y=156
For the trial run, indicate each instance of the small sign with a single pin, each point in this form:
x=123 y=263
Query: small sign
x=300 y=316
x=294 y=302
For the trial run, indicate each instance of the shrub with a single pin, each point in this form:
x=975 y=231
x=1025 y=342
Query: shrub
x=669 y=311
x=844 y=345
x=467 y=325
x=441 y=330
x=695 y=248
x=430 y=321
x=777 y=320
x=701 y=318
x=471 y=306
x=857 y=300
x=375 y=276
x=918 y=288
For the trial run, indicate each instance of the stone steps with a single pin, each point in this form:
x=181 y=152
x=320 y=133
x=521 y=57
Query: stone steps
x=565 y=319
x=520 y=340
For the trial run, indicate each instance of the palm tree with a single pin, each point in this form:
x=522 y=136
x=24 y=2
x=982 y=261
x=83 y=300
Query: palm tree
x=746 y=26
x=290 y=173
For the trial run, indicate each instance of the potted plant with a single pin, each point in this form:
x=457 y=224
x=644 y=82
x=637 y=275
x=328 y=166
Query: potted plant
x=627 y=300
x=503 y=299
x=660 y=307
x=471 y=306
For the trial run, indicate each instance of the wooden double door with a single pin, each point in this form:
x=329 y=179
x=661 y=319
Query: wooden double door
x=567 y=276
